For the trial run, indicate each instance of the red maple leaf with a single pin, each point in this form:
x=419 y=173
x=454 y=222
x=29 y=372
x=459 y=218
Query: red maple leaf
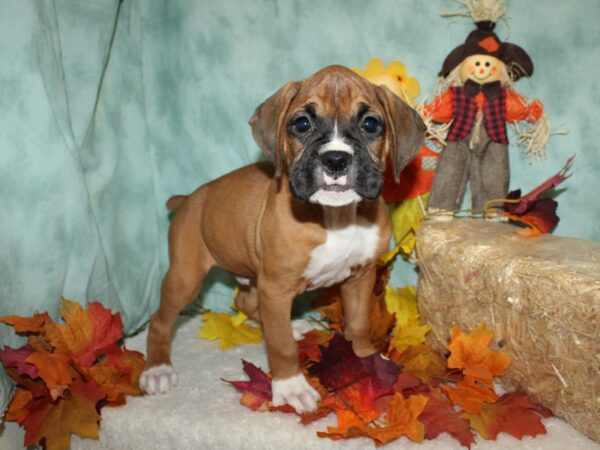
x=256 y=391
x=309 y=347
x=439 y=416
x=17 y=358
x=538 y=214
x=354 y=384
x=513 y=413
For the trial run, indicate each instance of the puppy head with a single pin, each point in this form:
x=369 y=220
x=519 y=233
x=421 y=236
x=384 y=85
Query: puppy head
x=332 y=132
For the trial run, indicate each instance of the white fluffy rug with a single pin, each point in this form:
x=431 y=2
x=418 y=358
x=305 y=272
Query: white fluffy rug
x=204 y=413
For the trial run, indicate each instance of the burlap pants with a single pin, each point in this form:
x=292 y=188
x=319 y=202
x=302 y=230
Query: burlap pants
x=485 y=167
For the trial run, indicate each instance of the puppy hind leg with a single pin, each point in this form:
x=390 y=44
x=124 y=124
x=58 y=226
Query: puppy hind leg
x=179 y=288
x=247 y=302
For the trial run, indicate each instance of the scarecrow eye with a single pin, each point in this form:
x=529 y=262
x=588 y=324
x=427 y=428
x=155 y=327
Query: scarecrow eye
x=487 y=64
x=477 y=63
x=302 y=124
x=370 y=124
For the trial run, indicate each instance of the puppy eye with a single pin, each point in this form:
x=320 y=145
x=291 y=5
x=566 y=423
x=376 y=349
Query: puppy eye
x=302 y=124
x=370 y=124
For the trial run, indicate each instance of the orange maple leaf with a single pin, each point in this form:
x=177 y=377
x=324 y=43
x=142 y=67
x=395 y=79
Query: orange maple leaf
x=470 y=353
x=349 y=425
x=329 y=305
x=17 y=411
x=513 y=413
x=402 y=420
x=73 y=414
x=309 y=346
x=421 y=361
x=27 y=324
x=470 y=396
x=382 y=321
x=54 y=369
x=86 y=334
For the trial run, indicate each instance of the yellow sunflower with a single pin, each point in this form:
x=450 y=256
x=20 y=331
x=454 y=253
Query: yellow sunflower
x=394 y=76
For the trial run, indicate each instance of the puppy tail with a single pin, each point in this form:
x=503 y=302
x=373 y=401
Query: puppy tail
x=175 y=202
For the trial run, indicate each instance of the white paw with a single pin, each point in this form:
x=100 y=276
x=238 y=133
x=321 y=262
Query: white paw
x=158 y=379
x=299 y=327
x=296 y=392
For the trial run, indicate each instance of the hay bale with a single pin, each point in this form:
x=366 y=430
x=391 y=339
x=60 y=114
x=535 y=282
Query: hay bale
x=541 y=297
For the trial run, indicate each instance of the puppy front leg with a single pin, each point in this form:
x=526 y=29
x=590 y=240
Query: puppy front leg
x=289 y=385
x=356 y=299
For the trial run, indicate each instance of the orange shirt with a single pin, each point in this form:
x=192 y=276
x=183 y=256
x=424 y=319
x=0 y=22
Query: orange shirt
x=441 y=108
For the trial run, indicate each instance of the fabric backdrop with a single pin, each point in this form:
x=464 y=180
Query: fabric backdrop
x=107 y=108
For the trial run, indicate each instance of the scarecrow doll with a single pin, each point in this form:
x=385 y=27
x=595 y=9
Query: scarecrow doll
x=476 y=102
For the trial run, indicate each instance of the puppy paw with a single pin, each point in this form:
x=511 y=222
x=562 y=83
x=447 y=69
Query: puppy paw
x=299 y=327
x=158 y=379
x=296 y=392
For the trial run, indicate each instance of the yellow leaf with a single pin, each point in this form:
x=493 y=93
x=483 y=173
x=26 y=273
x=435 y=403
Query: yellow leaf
x=408 y=334
x=406 y=218
x=402 y=302
x=229 y=329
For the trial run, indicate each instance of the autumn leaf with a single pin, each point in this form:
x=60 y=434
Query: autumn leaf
x=526 y=201
x=229 y=330
x=406 y=219
x=31 y=324
x=52 y=400
x=340 y=367
x=439 y=416
x=421 y=360
x=470 y=353
x=536 y=213
x=54 y=369
x=408 y=330
x=75 y=414
x=382 y=322
x=470 y=396
x=17 y=358
x=329 y=305
x=354 y=384
x=309 y=347
x=349 y=425
x=118 y=374
x=256 y=391
x=401 y=420
x=86 y=334
x=16 y=410
x=513 y=413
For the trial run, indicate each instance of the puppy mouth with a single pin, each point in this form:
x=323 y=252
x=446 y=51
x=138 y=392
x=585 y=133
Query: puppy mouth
x=335 y=184
x=334 y=190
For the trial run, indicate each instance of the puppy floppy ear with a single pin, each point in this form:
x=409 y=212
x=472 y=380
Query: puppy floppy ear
x=269 y=126
x=405 y=130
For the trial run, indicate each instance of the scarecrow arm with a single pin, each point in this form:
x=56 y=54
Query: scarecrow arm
x=517 y=108
x=440 y=108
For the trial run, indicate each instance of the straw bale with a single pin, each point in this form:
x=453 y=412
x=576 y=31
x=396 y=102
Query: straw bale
x=540 y=296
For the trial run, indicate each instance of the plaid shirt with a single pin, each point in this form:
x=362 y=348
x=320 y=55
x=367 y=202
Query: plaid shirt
x=465 y=110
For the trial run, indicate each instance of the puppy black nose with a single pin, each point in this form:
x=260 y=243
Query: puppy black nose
x=335 y=161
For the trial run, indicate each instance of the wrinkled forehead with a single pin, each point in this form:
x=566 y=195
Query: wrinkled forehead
x=336 y=94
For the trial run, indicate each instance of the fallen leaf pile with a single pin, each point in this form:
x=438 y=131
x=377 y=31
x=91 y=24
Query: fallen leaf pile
x=67 y=372
x=409 y=389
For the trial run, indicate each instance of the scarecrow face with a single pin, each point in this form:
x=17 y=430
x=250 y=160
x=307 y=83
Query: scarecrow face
x=481 y=69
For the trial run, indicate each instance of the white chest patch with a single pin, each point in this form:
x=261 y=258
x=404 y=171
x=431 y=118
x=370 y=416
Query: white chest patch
x=351 y=241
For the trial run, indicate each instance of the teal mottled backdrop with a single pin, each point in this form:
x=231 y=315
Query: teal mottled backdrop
x=108 y=108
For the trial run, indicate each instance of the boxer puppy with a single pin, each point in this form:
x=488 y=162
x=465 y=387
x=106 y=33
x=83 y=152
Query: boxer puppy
x=312 y=218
